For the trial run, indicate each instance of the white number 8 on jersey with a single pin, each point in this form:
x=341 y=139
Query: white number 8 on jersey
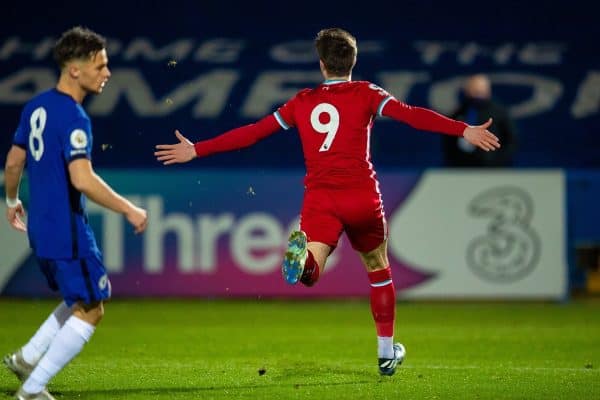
x=330 y=128
x=37 y=123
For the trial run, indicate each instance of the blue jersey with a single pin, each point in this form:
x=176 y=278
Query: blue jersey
x=54 y=130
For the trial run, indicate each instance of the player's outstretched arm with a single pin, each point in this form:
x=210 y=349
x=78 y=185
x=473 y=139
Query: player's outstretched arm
x=234 y=139
x=479 y=136
x=181 y=152
x=15 y=162
x=87 y=182
x=429 y=120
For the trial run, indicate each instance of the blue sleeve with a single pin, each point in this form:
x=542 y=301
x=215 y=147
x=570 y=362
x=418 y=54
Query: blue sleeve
x=78 y=143
x=20 y=138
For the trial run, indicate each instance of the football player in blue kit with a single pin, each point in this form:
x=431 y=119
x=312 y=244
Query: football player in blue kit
x=53 y=141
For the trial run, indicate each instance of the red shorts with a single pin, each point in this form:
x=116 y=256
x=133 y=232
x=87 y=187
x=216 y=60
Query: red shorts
x=326 y=213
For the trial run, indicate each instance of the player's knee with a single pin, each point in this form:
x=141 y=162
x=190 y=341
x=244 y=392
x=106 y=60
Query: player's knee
x=377 y=266
x=90 y=312
x=375 y=259
x=98 y=313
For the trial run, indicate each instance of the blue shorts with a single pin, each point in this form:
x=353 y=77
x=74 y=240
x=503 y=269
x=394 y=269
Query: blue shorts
x=82 y=279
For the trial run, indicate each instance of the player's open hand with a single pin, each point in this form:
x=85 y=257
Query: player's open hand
x=181 y=152
x=14 y=215
x=479 y=136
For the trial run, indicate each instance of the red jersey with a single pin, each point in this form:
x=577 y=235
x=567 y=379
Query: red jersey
x=334 y=121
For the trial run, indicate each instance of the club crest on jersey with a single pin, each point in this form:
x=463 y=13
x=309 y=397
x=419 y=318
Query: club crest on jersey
x=103 y=282
x=79 y=139
x=381 y=91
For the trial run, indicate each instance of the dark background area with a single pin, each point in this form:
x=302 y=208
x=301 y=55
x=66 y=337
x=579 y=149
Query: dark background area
x=125 y=138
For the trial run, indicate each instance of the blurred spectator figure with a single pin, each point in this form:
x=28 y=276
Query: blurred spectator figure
x=476 y=107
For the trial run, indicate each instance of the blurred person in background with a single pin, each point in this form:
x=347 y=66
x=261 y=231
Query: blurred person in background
x=476 y=107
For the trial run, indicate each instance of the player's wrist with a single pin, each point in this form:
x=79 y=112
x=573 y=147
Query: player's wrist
x=12 y=202
x=192 y=152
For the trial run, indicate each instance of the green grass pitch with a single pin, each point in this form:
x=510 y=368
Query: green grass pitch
x=326 y=349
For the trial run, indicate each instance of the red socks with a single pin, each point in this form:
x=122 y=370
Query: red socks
x=383 y=301
x=310 y=276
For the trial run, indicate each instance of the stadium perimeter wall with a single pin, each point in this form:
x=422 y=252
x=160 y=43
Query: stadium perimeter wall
x=220 y=233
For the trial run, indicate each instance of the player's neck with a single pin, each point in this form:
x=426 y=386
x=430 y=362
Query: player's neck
x=71 y=88
x=338 y=78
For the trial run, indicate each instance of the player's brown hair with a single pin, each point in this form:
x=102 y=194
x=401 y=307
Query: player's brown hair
x=337 y=49
x=77 y=43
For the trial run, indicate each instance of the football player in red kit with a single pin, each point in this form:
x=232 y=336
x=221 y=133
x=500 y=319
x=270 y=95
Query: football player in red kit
x=342 y=194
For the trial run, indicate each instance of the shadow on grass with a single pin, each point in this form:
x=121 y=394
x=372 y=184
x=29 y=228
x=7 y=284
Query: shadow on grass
x=124 y=392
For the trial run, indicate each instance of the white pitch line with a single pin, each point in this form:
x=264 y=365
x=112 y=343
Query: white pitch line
x=457 y=367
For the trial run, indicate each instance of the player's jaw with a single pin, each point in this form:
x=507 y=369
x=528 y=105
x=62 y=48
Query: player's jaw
x=99 y=81
x=94 y=85
x=97 y=73
x=101 y=85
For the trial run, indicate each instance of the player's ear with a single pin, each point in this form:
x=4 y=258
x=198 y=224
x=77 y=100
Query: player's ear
x=73 y=70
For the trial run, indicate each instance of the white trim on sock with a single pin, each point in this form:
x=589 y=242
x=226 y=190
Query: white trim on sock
x=380 y=284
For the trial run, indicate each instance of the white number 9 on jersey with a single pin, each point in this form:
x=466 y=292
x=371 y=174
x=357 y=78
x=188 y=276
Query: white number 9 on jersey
x=330 y=128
